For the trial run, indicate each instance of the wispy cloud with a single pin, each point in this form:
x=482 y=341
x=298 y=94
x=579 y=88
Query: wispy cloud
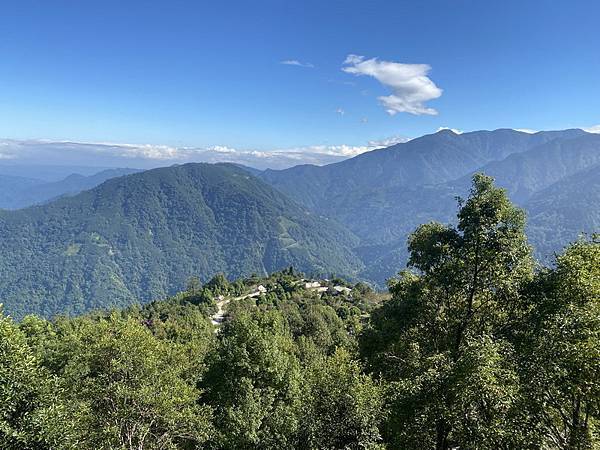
x=388 y=142
x=410 y=85
x=526 y=130
x=295 y=62
x=340 y=111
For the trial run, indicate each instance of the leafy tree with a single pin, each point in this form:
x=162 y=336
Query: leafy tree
x=30 y=416
x=180 y=320
x=341 y=407
x=441 y=341
x=561 y=349
x=193 y=286
x=325 y=328
x=253 y=383
x=128 y=389
x=218 y=285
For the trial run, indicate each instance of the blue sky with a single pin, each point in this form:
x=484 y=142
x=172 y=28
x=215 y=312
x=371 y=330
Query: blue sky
x=194 y=73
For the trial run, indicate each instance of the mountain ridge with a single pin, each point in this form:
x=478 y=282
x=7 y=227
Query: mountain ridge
x=36 y=191
x=141 y=236
x=383 y=213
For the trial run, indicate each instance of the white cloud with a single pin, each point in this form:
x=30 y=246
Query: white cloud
x=388 y=142
x=410 y=85
x=526 y=130
x=454 y=130
x=340 y=111
x=145 y=156
x=295 y=62
x=221 y=149
x=593 y=129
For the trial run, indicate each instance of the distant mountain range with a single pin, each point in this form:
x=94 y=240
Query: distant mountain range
x=381 y=196
x=19 y=192
x=140 y=236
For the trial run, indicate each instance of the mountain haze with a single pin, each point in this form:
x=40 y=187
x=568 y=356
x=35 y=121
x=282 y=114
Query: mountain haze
x=27 y=192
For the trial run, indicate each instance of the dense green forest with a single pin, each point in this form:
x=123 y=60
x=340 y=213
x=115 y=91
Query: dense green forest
x=476 y=347
x=139 y=237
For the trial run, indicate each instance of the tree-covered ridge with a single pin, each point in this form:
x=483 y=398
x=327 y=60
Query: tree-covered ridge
x=477 y=348
x=381 y=196
x=141 y=236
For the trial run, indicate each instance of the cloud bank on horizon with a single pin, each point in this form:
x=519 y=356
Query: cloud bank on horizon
x=145 y=156
x=410 y=85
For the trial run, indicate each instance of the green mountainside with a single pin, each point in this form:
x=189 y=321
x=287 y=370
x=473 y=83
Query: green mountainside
x=383 y=195
x=565 y=209
x=428 y=160
x=142 y=236
x=11 y=186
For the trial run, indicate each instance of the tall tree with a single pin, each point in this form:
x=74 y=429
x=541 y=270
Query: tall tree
x=341 y=406
x=441 y=341
x=561 y=349
x=253 y=382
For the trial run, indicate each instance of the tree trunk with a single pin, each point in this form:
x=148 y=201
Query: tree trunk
x=442 y=431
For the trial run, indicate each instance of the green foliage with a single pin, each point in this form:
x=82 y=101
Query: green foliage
x=383 y=195
x=30 y=415
x=142 y=236
x=474 y=350
x=341 y=406
x=560 y=345
x=253 y=383
x=440 y=339
x=158 y=376
x=218 y=285
x=128 y=389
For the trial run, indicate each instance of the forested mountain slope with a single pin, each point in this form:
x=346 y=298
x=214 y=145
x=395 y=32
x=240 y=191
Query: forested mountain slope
x=11 y=186
x=141 y=236
x=463 y=353
x=564 y=210
x=383 y=195
x=524 y=174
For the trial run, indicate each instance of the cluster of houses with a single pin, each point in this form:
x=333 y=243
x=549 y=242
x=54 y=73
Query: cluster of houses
x=309 y=285
x=333 y=290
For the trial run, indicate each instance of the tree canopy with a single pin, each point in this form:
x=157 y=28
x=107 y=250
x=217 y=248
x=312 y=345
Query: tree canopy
x=474 y=347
